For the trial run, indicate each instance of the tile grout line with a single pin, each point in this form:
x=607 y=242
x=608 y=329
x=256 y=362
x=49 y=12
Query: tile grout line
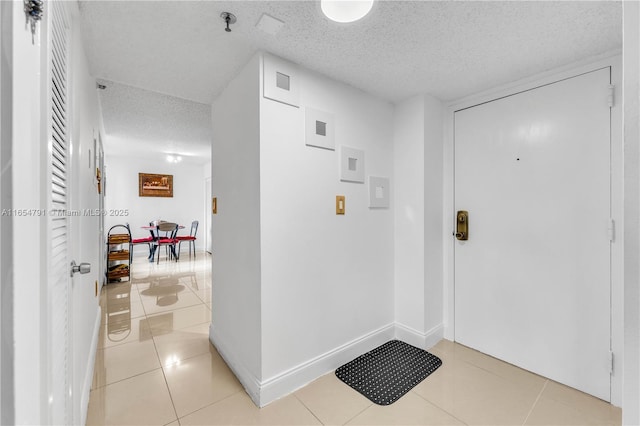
x=213 y=403
x=536 y=401
x=308 y=409
x=500 y=376
x=477 y=365
x=165 y=311
x=126 y=378
x=573 y=407
x=164 y=376
x=118 y=344
x=437 y=406
x=166 y=332
x=162 y=366
x=185 y=359
x=359 y=412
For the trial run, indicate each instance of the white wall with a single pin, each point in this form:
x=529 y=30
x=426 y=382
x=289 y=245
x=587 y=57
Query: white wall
x=418 y=159
x=235 y=179
x=186 y=205
x=286 y=267
x=327 y=280
x=433 y=219
x=631 y=58
x=409 y=199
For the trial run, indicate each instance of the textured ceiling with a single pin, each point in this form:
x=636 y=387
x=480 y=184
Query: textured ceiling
x=402 y=48
x=142 y=123
x=448 y=49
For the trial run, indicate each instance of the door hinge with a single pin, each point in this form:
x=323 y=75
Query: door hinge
x=611 y=229
x=610 y=97
x=610 y=362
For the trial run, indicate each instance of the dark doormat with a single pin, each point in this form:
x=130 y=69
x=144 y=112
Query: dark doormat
x=389 y=371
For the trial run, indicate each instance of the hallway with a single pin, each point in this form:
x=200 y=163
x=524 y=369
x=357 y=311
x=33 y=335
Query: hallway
x=155 y=365
x=153 y=347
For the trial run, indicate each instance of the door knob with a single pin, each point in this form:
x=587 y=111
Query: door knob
x=462 y=225
x=83 y=268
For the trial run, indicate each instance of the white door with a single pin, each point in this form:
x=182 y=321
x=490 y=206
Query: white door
x=56 y=116
x=532 y=282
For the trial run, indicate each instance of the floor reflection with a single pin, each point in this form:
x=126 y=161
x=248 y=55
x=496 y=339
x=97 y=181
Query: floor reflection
x=154 y=331
x=119 y=312
x=165 y=290
x=153 y=293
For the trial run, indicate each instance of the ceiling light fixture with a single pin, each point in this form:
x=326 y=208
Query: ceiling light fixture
x=344 y=11
x=173 y=158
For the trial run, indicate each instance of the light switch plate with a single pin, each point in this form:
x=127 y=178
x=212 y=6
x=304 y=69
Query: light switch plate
x=340 y=204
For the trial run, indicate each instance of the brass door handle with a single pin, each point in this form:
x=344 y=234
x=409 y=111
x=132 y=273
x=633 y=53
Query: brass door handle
x=462 y=225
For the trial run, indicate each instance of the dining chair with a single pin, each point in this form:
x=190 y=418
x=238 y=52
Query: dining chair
x=134 y=241
x=164 y=234
x=191 y=239
x=168 y=240
x=159 y=222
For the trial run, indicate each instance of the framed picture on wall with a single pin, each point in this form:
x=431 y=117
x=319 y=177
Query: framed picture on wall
x=155 y=185
x=351 y=165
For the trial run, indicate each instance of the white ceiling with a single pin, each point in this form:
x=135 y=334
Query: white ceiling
x=141 y=123
x=402 y=48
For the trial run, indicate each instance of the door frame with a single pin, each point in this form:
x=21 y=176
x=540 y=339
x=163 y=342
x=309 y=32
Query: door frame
x=28 y=271
x=613 y=60
x=207 y=214
x=6 y=254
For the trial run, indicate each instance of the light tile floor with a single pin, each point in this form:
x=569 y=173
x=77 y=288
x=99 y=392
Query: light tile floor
x=155 y=366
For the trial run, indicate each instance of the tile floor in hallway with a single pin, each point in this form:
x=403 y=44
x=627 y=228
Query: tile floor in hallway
x=155 y=366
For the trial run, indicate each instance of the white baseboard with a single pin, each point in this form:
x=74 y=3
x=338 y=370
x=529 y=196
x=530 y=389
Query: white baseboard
x=249 y=380
x=88 y=378
x=273 y=388
x=300 y=375
x=417 y=338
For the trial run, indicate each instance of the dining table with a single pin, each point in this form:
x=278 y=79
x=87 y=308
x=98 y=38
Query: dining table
x=152 y=247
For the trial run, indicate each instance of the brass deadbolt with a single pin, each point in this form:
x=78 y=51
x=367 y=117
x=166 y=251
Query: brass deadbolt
x=462 y=225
